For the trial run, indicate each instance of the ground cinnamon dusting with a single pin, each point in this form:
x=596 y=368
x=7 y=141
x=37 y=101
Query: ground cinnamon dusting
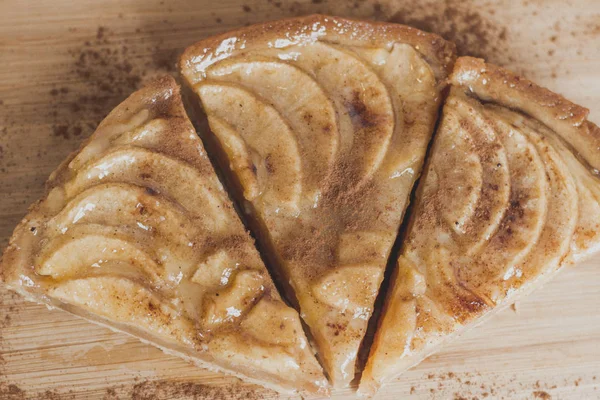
x=472 y=28
x=110 y=68
x=475 y=385
x=110 y=76
x=11 y=392
x=162 y=389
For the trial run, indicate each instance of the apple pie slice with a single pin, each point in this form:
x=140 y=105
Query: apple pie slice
x=136 y=233
x=321 y=125
x=511 y=194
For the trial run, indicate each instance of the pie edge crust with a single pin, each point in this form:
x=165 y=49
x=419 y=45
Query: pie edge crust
x=439 y=53
x=490 y=83
x=143 y=98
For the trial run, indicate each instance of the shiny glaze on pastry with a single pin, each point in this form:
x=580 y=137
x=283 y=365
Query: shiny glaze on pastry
x=509 y=195
x=323 y=124
x=137 y=233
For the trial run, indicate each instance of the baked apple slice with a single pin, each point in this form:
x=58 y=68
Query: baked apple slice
x=136 y=233
x=510 y=195
x=320 y=125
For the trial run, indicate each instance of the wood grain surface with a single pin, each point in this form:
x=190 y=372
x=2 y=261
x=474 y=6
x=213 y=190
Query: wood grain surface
x=64 y=64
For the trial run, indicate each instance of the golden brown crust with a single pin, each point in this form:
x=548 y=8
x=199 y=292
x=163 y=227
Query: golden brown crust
x=439 y=53
x=347 y=109
x=159 y=95
x=132 y=228
x=156 y=95
x=503 y=205
x=498 y=85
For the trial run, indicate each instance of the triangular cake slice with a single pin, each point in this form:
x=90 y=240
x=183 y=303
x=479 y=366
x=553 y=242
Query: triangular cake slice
x=322 y=124
x=510 y=195
x=136 y=233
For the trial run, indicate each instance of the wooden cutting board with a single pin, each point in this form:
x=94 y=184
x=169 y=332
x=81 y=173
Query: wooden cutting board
x=64 y=64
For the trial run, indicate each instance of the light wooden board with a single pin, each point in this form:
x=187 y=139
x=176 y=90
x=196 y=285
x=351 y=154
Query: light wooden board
x=55 y=87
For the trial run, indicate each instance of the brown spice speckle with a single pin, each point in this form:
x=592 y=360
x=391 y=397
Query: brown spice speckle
x=471 y=28
x=154 y=390
x=110 y=71
x=100 y=33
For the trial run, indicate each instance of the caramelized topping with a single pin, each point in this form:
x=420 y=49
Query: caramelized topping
x=324 y=129
x=504 y=204
x=137 y=232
